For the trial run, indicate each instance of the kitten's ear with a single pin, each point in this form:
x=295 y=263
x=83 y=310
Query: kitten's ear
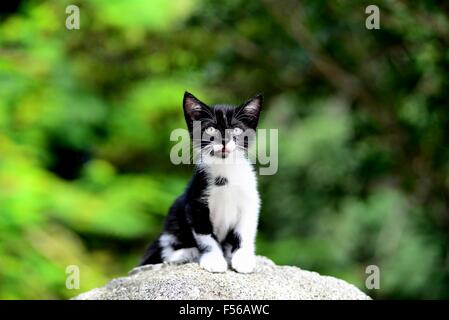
x=192 y=107
x=251 y=109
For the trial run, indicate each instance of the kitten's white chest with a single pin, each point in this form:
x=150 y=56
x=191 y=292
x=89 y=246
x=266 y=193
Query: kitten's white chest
x=228 y=202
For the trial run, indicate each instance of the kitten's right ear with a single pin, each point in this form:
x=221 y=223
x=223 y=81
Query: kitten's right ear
x=192 y=107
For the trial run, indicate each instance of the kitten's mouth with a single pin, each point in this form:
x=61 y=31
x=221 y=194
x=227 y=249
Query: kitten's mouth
x=221 y=153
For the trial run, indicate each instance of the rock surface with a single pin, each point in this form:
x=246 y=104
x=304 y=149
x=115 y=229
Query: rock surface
x=189 y=281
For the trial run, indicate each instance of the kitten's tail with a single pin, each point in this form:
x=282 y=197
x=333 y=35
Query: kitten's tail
x=153 y=254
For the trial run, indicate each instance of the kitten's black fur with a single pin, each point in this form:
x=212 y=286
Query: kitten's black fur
x=190 y=212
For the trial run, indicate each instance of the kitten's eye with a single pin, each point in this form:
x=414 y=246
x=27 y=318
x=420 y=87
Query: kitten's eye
x=237 y=131
x=210 y=130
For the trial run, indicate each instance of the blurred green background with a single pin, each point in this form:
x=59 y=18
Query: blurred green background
x=363 y=119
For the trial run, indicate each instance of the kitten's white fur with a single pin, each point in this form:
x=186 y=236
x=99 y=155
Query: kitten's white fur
x=234 y=205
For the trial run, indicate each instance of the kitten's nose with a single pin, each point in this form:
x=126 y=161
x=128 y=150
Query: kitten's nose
x=224 y=142
x=230 y=146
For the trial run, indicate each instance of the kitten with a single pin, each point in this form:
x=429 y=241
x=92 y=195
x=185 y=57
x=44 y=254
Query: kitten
x=215 y=220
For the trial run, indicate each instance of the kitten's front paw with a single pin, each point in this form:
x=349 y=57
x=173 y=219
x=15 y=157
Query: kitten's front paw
x=243 y=261
x=213 y=262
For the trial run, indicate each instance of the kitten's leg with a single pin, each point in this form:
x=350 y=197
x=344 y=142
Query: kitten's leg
x=167 y=242
x=211 y=254
x=183 y=255
x=227 y=252
x=211 y=258
x=230 y=244
x=243 y=258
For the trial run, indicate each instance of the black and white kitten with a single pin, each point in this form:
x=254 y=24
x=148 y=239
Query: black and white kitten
x=215 y=220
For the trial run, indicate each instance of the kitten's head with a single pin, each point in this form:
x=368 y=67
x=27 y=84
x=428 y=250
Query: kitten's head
x=221 y=130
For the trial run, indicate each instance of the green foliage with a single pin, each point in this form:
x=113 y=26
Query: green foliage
x=86 y=116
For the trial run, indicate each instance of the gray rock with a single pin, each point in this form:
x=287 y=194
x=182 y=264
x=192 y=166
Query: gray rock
x=189 y=281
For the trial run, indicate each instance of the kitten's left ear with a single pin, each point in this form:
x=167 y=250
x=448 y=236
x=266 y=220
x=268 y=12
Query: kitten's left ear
x=251 y=109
